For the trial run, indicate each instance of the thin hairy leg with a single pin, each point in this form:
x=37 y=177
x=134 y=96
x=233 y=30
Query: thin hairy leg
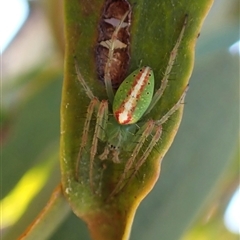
x=158 y=94
x=82 y=81
x=98 y=132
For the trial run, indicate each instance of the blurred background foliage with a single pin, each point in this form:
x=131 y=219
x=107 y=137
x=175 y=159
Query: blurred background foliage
x=200 y=172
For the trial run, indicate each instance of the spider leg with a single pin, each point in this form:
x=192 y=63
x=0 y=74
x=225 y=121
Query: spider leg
x=106 y=151
x=141 y=161
x=168 y=70
x=82 y=81
x=143 y=132
x=98 y=134
x=141 y=136
x=174 y=108
x=112 y=44
x=93 y=104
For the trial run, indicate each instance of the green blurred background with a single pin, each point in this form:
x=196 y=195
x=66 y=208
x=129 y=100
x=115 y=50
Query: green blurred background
x=200 y=172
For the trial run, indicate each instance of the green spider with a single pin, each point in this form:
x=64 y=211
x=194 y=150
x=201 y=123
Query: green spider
x=120 y=121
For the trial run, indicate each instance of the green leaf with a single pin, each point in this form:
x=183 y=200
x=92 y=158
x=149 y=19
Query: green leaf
x=154 y=30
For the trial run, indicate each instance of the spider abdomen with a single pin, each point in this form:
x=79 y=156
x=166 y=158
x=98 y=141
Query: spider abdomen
x=134 y=96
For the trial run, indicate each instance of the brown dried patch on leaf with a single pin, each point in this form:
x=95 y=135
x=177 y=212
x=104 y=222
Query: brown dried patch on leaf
x=113 y=13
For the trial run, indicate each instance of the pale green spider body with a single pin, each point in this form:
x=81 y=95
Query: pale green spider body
x=117 y=137
x=121 y=123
